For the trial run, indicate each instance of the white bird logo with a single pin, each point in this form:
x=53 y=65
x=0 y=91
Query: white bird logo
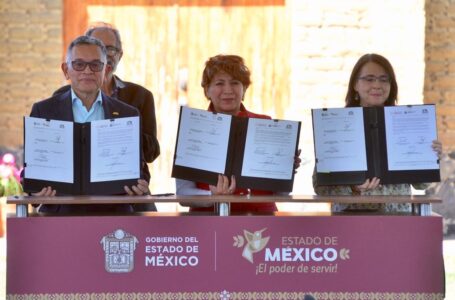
x=255 y=243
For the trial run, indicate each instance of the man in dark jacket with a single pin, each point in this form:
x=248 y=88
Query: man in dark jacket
x=85 y=66
x=130 y=93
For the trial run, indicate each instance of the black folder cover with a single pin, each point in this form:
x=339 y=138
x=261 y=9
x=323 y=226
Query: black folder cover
x=81 y=164
x=377 y=161
x=234 y=162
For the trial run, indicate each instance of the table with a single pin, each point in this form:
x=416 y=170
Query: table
x=421 y=204
x=185 y=256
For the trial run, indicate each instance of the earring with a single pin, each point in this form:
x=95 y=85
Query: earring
x=356 y=97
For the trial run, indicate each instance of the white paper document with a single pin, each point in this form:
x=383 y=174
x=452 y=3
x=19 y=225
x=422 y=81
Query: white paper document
x=270 y=149
x=203 y=140
x=410 y=131
x=115 y=149
x=339 y=140
x=48 y=150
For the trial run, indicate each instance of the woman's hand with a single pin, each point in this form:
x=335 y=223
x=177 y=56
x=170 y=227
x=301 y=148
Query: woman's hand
x=437 y=147
x=141 y=189
x=45 y=192
x=223 y=187
x=297 y=160
x=368 y=185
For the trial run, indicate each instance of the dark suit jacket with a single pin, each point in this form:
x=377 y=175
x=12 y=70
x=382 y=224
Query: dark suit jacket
x=141 y=98
x=59 y=107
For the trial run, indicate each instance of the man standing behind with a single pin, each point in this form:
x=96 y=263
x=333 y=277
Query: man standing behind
x=128 y=92
x=85 y=66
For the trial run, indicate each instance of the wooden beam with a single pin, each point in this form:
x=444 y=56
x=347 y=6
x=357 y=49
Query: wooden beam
x=74 y=21
x=75 y=17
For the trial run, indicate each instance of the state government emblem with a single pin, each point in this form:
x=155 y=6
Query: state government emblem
x=254 y=243
x=119 y=248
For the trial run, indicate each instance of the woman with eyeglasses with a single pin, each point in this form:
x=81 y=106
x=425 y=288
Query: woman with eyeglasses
x=373 y=83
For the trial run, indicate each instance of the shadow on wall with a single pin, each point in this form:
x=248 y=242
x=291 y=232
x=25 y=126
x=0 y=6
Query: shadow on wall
x=446 y=191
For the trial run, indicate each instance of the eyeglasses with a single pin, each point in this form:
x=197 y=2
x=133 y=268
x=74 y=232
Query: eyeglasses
x=383 y=79
x=111 y=50
x=80 y=65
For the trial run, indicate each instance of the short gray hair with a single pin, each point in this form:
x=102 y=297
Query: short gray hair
x=86 y=40
x=106 y=26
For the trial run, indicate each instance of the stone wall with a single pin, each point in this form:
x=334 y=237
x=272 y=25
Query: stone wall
x=440 y=65
x=440 y=89
x=30 y=57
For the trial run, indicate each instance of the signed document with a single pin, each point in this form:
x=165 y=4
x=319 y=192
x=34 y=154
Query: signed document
x=339 y=140
x=115 y=149
x=203 y=140
x=258 y=152
x=270 y=149
x=392 y=143
x=93 y=158
x=48 y=150
x=410 y=131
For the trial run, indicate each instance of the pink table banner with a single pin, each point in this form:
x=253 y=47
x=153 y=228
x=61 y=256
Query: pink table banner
x=244 y=257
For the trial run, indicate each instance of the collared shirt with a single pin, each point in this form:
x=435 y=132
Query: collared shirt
x=80 y=113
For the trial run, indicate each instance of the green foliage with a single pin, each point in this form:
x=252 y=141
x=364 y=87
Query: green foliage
x=10 y=186
x=9 y=176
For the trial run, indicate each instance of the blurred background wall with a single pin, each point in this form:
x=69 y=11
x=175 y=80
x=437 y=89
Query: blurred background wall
x=300 y=52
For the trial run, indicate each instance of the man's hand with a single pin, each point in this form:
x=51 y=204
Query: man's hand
x=141 y=189
x=45 y=192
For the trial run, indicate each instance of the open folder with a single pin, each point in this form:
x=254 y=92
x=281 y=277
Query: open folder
x=95 y=158
x=259 y=152
x=392 y=143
